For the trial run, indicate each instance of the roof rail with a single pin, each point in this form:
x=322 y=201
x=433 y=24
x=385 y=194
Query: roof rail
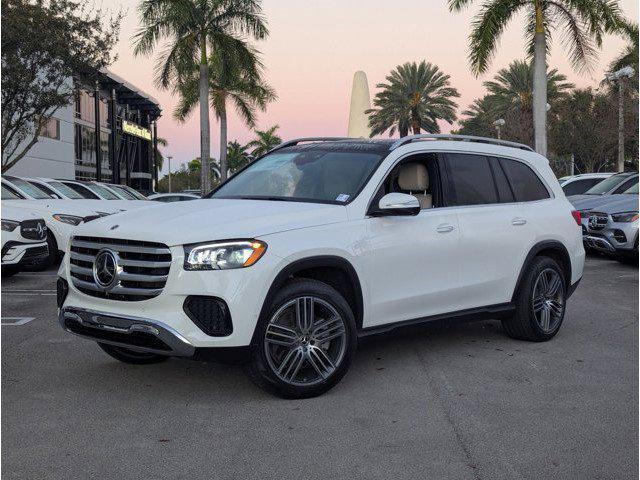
x=462 y=138
x=296 y=141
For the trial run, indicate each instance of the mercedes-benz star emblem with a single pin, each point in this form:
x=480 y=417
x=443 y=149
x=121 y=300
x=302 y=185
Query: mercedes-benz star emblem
x=105 y=269
x=41 y=229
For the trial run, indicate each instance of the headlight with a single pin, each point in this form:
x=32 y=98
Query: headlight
x=70 y=219
x=223 y=255
x=9 y=225
x=625 y=217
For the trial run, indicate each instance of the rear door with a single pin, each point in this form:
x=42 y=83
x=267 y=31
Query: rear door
x=493 y=228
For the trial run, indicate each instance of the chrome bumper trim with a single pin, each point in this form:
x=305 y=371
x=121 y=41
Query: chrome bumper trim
x=126 y=325
x=599 y=243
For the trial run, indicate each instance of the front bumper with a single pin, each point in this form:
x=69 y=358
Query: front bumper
x=135 y=333
x=610 y=240
x=24 y=254
x=243 y=291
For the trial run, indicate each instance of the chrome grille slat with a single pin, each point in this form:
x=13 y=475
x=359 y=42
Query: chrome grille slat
x=143 y=267
x=121 y=248
x=118 y=289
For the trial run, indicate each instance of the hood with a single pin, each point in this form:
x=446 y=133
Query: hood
x=52 y=206
x=589 y=202
x=13 y=212
x=619 y=203
x=203 y=220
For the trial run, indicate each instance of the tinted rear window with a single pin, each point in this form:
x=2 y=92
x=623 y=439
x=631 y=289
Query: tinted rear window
x=470 y=179
x=578 y=187
x=525 y=184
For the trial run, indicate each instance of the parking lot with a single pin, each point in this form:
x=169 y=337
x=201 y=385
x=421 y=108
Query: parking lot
x=444 y=401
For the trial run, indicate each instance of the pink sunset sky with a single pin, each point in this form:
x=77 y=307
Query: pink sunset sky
x=316 y=46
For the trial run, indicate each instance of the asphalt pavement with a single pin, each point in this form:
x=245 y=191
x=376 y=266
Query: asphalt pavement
x=457 y=401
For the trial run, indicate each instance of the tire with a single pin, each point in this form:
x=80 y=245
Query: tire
x=539 y=321
x=296 y=355
x=9 y=270
x=131 y=356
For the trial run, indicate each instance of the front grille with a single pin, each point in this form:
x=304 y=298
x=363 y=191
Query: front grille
x=33 y=229
x=210 y=314
x=597 y=221
x=142 y=267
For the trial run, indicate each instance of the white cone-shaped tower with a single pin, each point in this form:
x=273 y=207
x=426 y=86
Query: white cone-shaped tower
x=360 y=102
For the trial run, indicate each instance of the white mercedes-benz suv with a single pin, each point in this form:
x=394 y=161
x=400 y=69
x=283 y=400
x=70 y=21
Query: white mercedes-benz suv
x=321 y=242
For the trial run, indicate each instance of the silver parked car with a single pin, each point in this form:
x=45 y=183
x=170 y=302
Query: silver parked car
x=613 y=228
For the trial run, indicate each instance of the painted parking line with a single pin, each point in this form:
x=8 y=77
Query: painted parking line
x=27 y=292
x=16 y=321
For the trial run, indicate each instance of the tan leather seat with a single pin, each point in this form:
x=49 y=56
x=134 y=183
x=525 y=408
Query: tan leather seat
x=415 y=178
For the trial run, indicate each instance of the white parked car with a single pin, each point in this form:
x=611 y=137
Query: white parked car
x=61 y=216
x=578 y=184
x=172 y=197
x=321 y=242
x=24 y=240
x=57 y=189
x=95 y=190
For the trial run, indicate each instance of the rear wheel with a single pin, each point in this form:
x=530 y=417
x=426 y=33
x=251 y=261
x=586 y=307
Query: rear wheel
x=131 y=356
x=305 y=342
x=540 y=302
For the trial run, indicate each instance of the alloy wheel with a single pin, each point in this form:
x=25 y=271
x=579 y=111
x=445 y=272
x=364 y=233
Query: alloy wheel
x=548 y=300
x=305 y=341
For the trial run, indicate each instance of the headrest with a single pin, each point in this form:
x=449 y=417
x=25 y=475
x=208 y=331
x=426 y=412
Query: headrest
x=413 y=176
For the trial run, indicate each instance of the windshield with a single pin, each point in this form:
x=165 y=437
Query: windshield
x=133 y=192
x=66 y=191
x=304 y=174
x=30 y=190
x=606 y=185
x=633 y=189
x=8 y=194
x=122 y=192
x=102 y=192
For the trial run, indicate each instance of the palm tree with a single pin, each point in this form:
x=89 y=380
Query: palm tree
x=512 y=87
x=159 y=158
x=267 y=139
x=415 y=97
x=194 y=30
x=629 y=56
x=237 y=155
x=584 y=22
x=236 y=79
x=510 y=97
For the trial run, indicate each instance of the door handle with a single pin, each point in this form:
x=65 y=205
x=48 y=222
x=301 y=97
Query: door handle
x=445 y=228
x=518 y=221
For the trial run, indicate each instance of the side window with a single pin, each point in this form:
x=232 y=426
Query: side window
x=418 y=175
x=626 y=185
x=505 y=194
x=525 y=184
x=470 y=180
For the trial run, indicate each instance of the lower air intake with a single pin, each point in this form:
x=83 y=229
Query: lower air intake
x=210 y=314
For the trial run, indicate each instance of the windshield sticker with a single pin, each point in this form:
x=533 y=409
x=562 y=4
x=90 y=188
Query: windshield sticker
x=343 y=197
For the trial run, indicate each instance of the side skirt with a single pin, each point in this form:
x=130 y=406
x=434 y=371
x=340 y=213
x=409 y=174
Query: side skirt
x=490 y=312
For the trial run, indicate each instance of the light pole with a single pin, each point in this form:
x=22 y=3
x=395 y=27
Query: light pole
x=621 y=76
x=499 y=123
x=169 y=157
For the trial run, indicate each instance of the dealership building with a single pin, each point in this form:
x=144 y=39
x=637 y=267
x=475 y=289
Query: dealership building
x=108 y=133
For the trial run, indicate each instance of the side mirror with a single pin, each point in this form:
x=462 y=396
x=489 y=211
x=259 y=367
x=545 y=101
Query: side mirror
x=397 y=204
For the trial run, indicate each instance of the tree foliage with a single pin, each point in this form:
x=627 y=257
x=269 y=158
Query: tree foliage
x=45 y=44
x=415 y=97
x=265 y=141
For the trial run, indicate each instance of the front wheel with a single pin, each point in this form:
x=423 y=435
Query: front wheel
x=540 y=302
x=306 y=341
x=131 y=356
